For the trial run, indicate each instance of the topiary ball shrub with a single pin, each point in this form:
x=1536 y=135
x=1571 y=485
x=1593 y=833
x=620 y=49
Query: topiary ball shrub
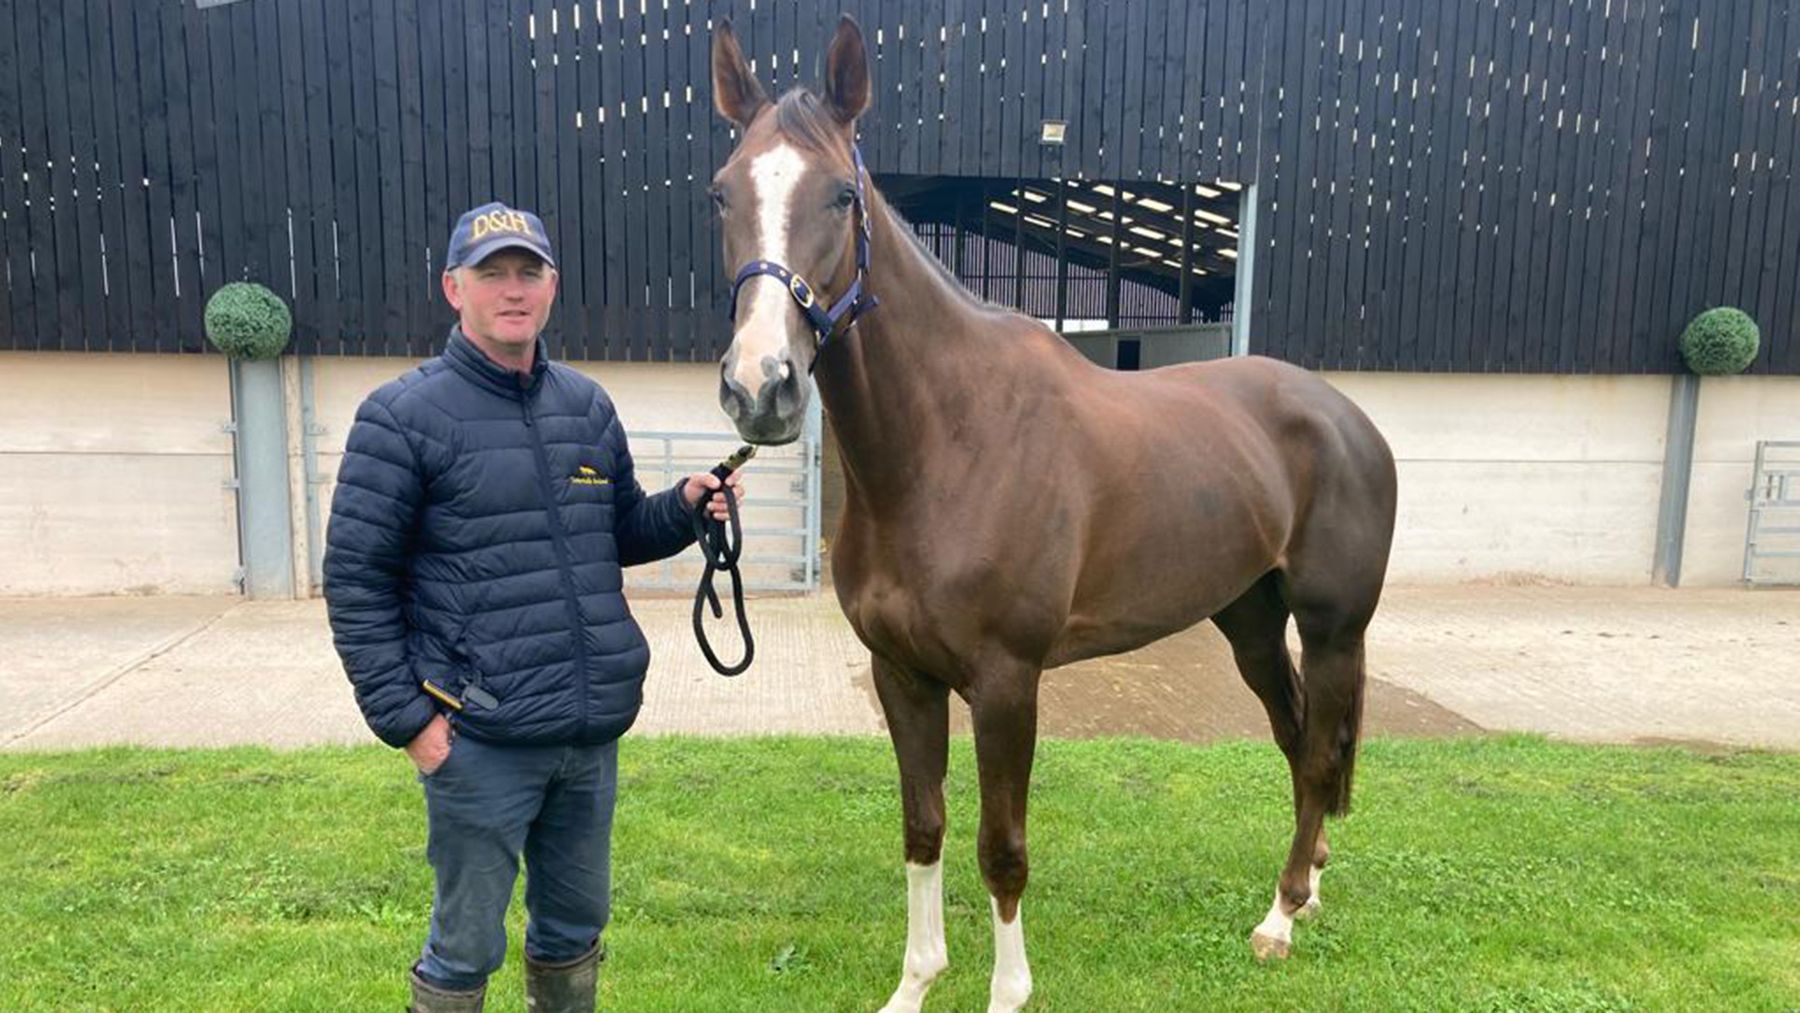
x=247 y=321
x=1720 y=342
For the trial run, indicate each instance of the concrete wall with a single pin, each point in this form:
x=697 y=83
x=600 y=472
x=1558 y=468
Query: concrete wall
x=113 y=467
x=1558 y=477
x=112 y=475
x=1735 y=412
x=1521 y=477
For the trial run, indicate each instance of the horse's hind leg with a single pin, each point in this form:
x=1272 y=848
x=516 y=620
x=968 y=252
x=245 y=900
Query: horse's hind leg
x=1332 y=662
x=1256 y=626
x=1315 y=721
x=1332 y=681
x=1003 y=709
x=918 y=718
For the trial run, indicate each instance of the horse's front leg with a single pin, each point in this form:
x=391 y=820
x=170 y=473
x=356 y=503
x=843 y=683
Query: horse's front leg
x=1003 y=708
x=918 y=719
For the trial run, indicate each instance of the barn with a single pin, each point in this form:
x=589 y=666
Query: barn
x=1488 y=221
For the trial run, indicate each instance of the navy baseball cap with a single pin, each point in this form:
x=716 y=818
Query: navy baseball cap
x=494 y=227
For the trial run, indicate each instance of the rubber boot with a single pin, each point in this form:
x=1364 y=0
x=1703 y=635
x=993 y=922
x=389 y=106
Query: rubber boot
x=567 y=986
x=429 y=998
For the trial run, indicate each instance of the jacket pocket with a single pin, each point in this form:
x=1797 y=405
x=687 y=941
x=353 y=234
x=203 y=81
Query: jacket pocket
x=444 y=764
x=473 y=686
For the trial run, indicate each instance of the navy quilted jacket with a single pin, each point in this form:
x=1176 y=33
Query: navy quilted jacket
x=479 y=524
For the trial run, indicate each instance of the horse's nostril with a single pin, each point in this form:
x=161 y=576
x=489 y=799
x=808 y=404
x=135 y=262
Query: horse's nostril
x=733 y=398
x=789 y=397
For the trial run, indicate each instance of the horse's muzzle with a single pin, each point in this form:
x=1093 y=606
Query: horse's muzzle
x=773 y=415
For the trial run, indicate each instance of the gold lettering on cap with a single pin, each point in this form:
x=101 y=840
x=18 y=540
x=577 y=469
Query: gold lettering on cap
x=501 y=221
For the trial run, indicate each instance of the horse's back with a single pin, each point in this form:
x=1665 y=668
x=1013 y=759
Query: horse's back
x=1297 y=410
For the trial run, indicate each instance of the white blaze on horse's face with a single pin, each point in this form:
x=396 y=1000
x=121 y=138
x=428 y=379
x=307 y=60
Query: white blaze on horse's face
x=764 y=386
x=762 y=333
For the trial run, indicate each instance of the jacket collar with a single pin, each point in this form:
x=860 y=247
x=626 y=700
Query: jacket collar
x=477 y=368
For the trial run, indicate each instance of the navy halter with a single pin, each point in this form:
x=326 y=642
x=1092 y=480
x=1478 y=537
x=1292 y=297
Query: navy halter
x=852 y=304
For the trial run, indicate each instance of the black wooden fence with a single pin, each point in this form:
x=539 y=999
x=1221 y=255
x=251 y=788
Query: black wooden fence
x=1530 y=185
x=1547 y=186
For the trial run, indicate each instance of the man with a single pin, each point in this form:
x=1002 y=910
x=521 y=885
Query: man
x=485 y=504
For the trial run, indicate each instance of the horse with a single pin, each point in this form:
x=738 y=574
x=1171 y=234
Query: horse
x=1011 y=507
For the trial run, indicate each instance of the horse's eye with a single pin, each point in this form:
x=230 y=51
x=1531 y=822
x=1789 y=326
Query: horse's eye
x=845 y=198
x=718 y=198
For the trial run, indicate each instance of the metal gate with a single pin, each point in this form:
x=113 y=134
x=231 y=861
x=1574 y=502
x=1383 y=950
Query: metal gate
x=1772 y=543
x=781 y=520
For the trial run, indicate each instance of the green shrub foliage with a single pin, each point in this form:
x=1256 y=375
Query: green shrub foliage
x=247 y=321
x=1720 y=342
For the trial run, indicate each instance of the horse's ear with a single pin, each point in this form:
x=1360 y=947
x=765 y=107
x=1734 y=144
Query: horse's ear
x=847 y=72
x=737 y=94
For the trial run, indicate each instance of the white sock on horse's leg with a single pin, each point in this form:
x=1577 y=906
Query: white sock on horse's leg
x=1012 y=972
x=926 y=956
x=1276 y=933
x=1312 y=903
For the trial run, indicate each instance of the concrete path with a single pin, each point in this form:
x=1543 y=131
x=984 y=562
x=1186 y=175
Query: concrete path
x=1602 y=664
x=1590 y=664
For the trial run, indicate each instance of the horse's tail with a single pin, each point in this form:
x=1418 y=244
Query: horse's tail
x=1334 y=688
x=1349 y=736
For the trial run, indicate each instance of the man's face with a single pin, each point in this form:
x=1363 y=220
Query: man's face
x=505 y=299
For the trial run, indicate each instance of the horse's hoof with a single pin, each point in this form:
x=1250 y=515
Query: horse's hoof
x=904 y=1003
x=1268 y=947
x=1009 y=996
x=1310 y=908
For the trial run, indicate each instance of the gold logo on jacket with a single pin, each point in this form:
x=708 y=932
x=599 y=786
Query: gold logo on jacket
x=585 y=475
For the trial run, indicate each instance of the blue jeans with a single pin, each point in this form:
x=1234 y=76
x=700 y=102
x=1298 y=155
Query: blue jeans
x=487 y=804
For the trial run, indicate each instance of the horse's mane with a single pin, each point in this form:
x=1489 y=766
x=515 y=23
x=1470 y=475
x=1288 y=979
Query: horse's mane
x=944 y=273
x=803 y=119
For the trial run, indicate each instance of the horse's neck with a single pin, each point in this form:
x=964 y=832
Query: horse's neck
x=907 y=369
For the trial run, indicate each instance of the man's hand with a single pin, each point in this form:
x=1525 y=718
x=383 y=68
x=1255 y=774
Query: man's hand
x=705 y=483
x=431 y=747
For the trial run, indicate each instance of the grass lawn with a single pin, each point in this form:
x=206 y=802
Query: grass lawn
x=1484 y=874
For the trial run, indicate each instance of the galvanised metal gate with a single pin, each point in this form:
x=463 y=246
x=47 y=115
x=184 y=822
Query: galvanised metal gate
x=1772 y=543
x=781 y=520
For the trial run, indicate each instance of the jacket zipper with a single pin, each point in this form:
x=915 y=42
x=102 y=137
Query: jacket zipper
x=559 y=540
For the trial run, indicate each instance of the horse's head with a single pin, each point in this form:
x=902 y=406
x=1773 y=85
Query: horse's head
x=788 y=204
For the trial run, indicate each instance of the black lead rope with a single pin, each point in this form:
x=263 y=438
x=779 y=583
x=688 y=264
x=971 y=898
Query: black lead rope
x=721 y=552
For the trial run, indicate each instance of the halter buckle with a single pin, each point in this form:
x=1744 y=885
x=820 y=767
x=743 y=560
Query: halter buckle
x=802 y=292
